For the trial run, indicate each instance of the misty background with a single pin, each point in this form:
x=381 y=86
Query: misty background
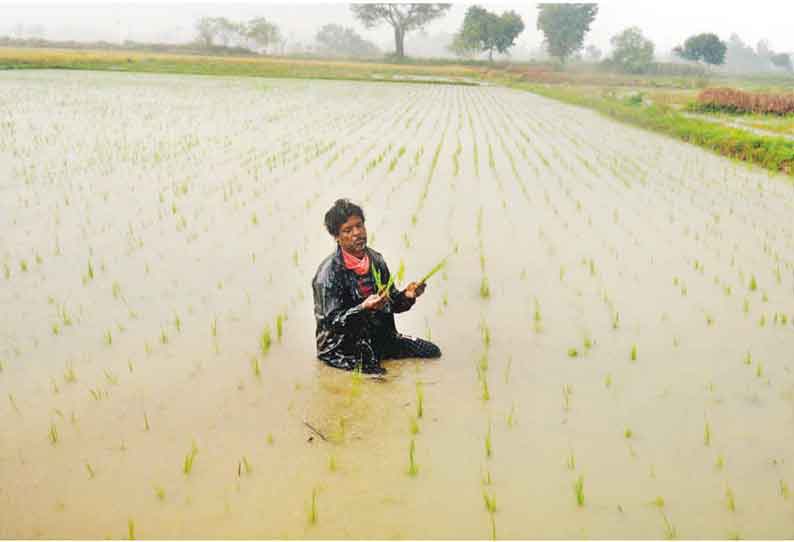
x=748 y=29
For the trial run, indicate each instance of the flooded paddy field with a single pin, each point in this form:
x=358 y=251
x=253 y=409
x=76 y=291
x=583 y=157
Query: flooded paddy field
x=616 y=318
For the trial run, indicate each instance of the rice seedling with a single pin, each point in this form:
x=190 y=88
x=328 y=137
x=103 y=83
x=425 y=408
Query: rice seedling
x=486 y=394
x=493 y=527
x=108 y=336
x=23 y=266
x=163 y=336
x=255 y=366
x=265 y=341
x=573 y=352
x=784 y=490
x=243 y=466
x=490 y=501
x=13 y=403
x=608 y=380
x=159 y=493
x=488 y=442
x=214 y=327
x=730 y=501
x=570 y=460
x=578 y=489
x=420 y=398
x=588 y=343
x=146 y=425
x=486 y=335
x=633 y=355
x=615 y=320
x=187 y=465
x=177 y=323
x=69 y=375
x=719 y=464
x=670 y=532
x=482 y=364
x=753 y=284
x=707 y=434
x=130 y=530
x=90 y=470
x=567 y=391
x=413 y=468
x=53 y=434
x=433 y=271
x=279 y=327
x=270 y=439
x=485 y=290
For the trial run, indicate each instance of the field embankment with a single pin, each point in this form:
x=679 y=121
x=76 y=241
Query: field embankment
x=281 y=67
x=771 y=152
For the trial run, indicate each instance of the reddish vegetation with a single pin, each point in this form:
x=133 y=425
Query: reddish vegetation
x=737 y=101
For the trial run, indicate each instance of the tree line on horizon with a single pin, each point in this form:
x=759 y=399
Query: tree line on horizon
x=482 y=33
x=564 y=27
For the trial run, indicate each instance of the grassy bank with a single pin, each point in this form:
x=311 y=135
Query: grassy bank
x=773 y=153
x=127 y=61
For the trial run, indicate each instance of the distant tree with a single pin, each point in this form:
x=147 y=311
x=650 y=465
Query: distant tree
x=335 y=39
x=462 y=48
x=262 y=32
x=633 y=52
x=782 y=60
x=706 y=47
x=403 y=18
x=483 y=31
x=564 y=26
x=212 y=29
x=593 y=53
x=228 y=31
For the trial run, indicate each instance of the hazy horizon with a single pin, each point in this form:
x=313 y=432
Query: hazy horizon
x=664 y=23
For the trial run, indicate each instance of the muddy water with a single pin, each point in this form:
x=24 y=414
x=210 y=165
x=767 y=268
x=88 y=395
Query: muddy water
x=154 y=226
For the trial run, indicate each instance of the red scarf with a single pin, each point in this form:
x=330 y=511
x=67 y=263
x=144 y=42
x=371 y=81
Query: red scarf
x=358 y=266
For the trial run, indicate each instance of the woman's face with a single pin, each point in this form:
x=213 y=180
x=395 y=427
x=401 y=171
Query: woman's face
x=353 y=236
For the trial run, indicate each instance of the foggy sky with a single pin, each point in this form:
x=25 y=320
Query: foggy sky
x=666 y=22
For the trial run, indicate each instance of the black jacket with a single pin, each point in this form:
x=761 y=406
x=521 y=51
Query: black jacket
x=341 y=322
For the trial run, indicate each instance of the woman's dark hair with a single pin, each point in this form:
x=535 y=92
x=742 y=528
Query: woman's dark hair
x=339 y=213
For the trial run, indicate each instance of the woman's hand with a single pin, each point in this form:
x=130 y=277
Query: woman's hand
x=375 y=302
x=414 y=290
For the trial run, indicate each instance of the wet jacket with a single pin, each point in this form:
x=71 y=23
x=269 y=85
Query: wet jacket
x=342 y=325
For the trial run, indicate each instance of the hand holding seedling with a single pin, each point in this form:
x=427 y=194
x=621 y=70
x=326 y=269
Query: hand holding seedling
x=414 y=290
x=375 y=302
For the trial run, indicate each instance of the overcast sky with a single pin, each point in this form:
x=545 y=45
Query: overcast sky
x=666 y=22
